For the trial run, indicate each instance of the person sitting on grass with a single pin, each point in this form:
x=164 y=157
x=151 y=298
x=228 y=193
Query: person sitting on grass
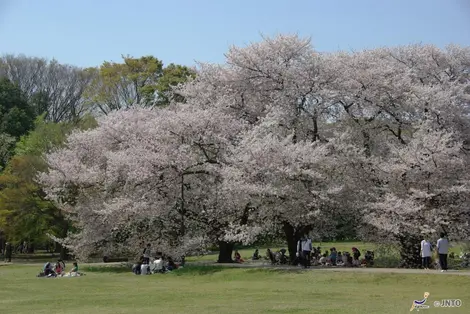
x=255 y=256
x=157 y=266
x=356 y=255
x=270 y=256
x=145 y=268
x=171 y=264
x=317 y=252
x=48 y=270
x=369 y=258
x=283 y=258
x=238 y=257
x=333 y=256
x=347 y=259
x=136 y=267
x=59 y=267
x=74 y=270
x=316 y=261
x=323 y=260
x=339 y=259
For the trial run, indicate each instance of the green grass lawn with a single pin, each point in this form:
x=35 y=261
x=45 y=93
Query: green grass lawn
x=221 y=290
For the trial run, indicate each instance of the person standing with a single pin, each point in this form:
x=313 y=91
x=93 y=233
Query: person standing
x=307 y=251
x=426 y=253
x=443 y=250
x=146 y=254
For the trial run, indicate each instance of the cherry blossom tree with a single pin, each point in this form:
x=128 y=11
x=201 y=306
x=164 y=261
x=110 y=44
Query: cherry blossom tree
x=280 y=88
x=300 y=186
x=137 y=177
x=280 y=136
x=406 y=104
x=426 y=192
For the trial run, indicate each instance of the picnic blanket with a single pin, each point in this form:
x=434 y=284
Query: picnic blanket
x=72 y=275
x=41 y=275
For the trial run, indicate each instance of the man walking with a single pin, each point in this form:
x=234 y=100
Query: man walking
x=443 y=250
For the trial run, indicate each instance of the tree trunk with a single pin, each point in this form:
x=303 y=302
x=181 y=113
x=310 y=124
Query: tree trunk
x=63 y=253
x=30 y=248
x=8 y=252
x=63 y=250
x=291 y=239
x=2 y=244
x=410 y=251
x=225 y=252
x=57 y=247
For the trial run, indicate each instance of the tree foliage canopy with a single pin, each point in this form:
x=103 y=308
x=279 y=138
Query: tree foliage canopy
x=278 y=137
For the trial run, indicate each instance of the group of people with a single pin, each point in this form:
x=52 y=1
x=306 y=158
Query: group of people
x=147 y=264
x=307 y=256
x=338 y=258
x=58 y=270
x=276 y=258
x=442 y=248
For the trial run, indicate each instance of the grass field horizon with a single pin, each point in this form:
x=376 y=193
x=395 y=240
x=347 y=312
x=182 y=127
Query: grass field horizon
x=225 y=290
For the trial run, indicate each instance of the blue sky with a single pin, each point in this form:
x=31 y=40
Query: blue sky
x=88 y=32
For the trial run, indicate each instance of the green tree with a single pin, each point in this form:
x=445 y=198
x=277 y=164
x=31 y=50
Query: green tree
x=173 y=75
x=48 y=135
x=16 y=118
x=49 y=86
x=123 y=85
x=25 y=214
x=7 y=145
x=136 y=81
x=40 y=103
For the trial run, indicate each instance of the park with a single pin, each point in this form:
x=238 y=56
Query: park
x=205 y=287
x=281 y=180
